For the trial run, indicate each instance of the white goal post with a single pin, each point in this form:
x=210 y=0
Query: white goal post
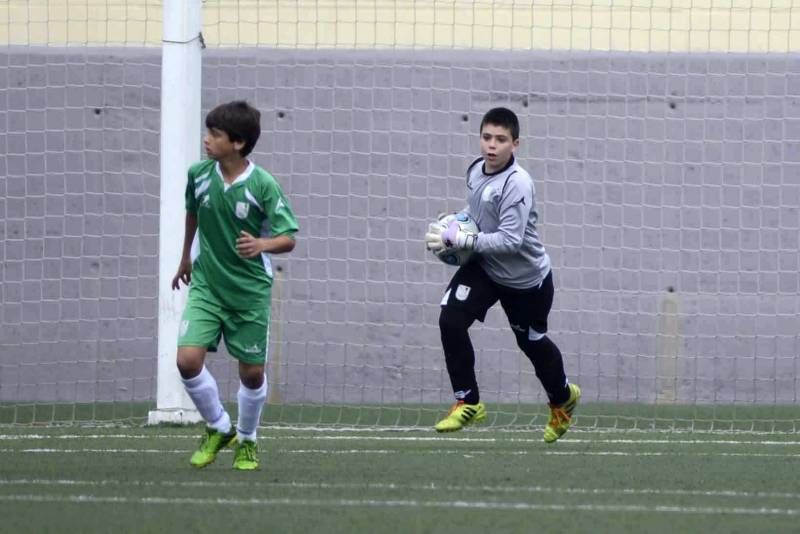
x=180 y=147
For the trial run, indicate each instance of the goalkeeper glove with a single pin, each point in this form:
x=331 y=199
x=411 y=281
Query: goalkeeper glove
x=433 y=239
x=455 y=237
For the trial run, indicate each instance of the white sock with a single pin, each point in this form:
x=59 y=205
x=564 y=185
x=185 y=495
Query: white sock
x=251 y=402
x=203 y=391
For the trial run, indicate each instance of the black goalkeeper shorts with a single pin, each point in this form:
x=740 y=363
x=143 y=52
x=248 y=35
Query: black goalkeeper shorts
x=472 y=292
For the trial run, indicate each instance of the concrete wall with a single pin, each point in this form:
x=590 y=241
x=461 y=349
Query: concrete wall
x=668 y=188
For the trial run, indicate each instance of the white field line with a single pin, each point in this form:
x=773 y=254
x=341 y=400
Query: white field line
x=484 y=429
x=403 y=503
x=488 y=429
x=460 y=452
x=448 y=438
x=468 y=453
x=429 y=486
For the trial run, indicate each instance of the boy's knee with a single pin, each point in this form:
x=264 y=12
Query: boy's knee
x=530 y=346
x=190 y=361
x=252 y=376
x=453 y=320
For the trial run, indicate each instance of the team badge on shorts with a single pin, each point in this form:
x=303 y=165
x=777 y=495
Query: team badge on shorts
x=462 y=292
x=242 y=209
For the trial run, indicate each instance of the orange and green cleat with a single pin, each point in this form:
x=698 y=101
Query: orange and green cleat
x=461 y=415
x=561 y=416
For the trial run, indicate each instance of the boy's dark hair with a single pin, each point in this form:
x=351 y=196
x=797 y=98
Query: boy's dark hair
x=503 y=117
x=238 y=119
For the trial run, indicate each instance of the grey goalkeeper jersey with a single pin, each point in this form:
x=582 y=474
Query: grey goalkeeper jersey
x=504 y=206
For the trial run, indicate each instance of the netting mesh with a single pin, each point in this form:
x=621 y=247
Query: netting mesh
x=662 y=141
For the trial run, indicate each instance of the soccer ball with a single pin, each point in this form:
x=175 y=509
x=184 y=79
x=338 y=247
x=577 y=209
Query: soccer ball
x=452 y=256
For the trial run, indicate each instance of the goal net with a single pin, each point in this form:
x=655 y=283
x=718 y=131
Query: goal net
x=662 y=138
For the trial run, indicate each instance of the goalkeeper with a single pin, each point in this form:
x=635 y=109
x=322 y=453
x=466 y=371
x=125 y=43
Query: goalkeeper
x=512 y=267
x=236 y=216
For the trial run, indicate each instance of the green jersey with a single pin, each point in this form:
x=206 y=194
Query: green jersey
x=254 y=203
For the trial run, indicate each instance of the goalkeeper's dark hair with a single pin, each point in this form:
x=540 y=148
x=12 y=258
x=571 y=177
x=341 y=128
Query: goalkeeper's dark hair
x=238 y=119
x=503 y=117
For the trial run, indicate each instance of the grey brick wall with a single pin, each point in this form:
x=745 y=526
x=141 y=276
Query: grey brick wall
x=665 y=182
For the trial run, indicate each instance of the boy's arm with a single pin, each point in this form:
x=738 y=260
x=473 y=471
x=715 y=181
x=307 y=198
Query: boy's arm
x=514 y=209
x=190 y=228
x=282 y=225
x=510 y=232
x=184 y=273
x=248 y=246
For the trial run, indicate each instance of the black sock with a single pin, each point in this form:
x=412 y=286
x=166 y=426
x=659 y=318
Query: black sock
x=549 y=366
x=459 y=355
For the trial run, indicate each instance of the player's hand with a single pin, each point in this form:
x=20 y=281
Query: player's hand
x=248 y=246
x=184 y=274
x=433 y=238
x=454 y=237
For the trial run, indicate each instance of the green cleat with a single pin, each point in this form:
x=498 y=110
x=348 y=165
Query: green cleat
x=561 y=416
x=244 y=457
x=210 y=445
x=461 y=415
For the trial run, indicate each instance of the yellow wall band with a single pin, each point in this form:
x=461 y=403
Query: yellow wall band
x=629 y=25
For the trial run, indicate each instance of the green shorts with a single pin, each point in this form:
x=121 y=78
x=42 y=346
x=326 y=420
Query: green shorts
x=246 y=332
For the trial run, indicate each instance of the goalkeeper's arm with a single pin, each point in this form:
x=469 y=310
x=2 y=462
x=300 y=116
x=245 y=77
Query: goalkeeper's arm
x=513 y=212
x=454 y=237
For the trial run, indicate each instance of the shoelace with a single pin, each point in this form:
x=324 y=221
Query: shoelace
x=465 y=416
x=248 y=451
x=558 y=416
x=205 y=442
x=455 y=407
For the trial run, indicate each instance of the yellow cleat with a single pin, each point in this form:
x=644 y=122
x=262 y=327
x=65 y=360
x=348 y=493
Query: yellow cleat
x=561 y=416
x=211 y=443
x=244 y=457
x=461 y=415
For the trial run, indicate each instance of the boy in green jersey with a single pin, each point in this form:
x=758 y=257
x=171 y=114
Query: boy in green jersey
x=236 y=216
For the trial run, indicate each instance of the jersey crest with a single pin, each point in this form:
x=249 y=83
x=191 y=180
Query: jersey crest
x=242 y=209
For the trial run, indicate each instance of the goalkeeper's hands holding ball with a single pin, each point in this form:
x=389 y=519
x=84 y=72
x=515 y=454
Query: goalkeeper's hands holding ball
x=451 y=236
x=433 y=238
